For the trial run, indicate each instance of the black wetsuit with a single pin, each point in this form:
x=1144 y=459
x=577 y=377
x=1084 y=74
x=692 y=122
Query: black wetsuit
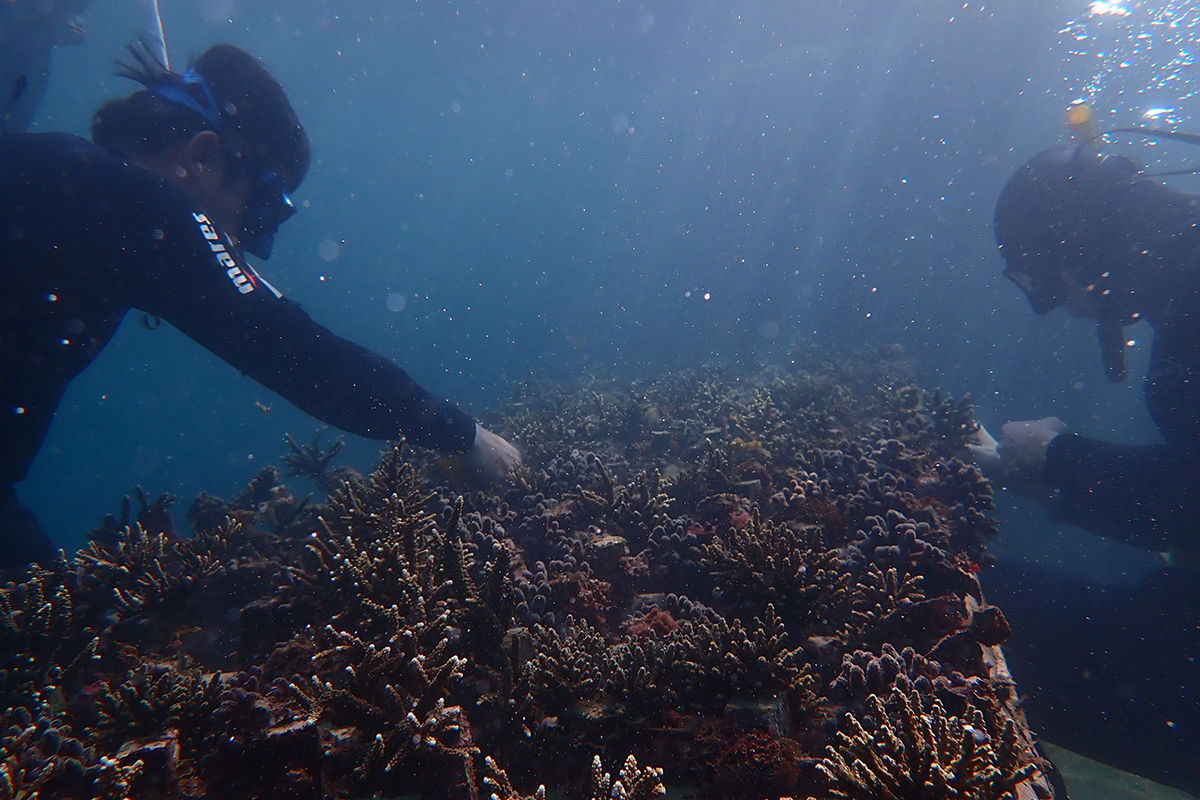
x=1145 y=495
x=85 y=237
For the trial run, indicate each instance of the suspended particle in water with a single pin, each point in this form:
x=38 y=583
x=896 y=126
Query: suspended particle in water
x=329 y=250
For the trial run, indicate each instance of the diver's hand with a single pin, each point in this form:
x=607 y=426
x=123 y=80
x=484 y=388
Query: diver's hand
x=981 y=446
x=492 y=456
x=1023 y=444
x=1018 y=461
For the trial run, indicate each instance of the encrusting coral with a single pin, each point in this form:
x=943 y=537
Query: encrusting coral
x=768 y=584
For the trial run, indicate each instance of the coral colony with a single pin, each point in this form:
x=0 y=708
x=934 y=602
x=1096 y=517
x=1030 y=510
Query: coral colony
x=742 y=586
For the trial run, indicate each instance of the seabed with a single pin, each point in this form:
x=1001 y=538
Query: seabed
x=1087 y=779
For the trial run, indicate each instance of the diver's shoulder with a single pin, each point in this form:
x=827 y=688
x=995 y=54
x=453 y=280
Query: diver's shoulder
x=64 y=153
x=63 y=159
x=46 y=142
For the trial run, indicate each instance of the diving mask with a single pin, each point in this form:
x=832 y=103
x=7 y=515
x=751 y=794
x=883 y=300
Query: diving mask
x=267 y=202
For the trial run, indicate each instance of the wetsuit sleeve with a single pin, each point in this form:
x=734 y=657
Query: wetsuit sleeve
x=1146 y=495
x=204 y=288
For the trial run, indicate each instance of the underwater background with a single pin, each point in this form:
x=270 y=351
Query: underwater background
x=534 y=191
x=520 y=193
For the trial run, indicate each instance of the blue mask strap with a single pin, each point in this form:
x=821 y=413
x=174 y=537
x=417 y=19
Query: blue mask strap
x=178 y=93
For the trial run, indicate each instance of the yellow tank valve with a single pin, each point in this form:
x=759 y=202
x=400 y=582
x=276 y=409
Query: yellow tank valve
x=1079 y=117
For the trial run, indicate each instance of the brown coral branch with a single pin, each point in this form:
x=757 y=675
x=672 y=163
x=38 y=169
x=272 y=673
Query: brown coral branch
x=913 y=750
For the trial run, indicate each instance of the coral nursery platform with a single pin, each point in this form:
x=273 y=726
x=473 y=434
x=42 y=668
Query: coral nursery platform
x=760 y=586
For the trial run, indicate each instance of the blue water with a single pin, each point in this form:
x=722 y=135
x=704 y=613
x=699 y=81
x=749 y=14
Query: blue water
x=534 y=191
x=530 y=191
x=523 y=190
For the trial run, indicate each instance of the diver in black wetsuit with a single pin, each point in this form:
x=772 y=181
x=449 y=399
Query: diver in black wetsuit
x=1092 y=233
x=30 y=30
x=182 y=176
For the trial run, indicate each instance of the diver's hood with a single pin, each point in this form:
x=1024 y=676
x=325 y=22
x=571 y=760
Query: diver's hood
x=1063 y=211
x=1080 y=214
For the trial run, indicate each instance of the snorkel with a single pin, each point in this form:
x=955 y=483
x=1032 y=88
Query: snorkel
x=1110 y=324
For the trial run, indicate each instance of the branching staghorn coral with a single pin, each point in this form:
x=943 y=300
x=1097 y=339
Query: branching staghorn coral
x=151 y=514
x=928 y=420
x=383 y=557
x=147 y=571
x=312 y=461
x=918 y=752
x=413 y=575
x=133 y=568
x=153 y=699
x=159 y=596
x=877 y=595
x=698 y=667
x=768 y=563
x=633 y=782
x=395 y=697
x=372 y=561
x=389 y=503
x=35 y=625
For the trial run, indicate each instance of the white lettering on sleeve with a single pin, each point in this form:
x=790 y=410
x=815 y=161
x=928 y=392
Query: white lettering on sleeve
x=240 y=279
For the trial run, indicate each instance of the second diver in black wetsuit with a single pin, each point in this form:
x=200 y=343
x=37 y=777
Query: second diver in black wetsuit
x=30 y=30
x=1090 y=232
x=153 y=215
